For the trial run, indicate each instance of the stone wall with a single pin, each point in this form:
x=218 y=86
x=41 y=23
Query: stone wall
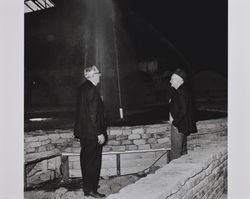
x=41 y=144
x=127 y=139
x=201 y=174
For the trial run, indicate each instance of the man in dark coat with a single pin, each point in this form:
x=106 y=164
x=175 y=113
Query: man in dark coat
x=181 y=114
x=91 y=130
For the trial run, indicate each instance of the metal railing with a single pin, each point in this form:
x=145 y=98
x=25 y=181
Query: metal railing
x=65 y=161
x=64 y=168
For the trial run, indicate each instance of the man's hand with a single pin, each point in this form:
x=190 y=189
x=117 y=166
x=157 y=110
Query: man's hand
x=170 y=118
x=101 y=139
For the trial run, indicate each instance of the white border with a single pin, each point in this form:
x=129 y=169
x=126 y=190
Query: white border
x=239 y=99
x=11 y=100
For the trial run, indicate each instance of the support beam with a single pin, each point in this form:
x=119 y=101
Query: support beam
x=28 y=6
x=38 y=4
x=118 y=164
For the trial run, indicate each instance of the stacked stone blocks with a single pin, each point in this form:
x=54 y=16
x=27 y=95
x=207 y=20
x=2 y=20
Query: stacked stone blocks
x=127 y=139
x=39 y=144
x=138 y=137
x=202 y=174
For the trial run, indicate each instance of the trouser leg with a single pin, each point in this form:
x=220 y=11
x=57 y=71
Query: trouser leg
x=91 y=164
x=82 y=161
x=184 y=145
x=178 y=143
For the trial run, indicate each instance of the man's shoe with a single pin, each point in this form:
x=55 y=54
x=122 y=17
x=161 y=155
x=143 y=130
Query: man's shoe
x=94 y=194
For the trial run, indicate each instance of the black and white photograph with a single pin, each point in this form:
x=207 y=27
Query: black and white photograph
x=125 y=99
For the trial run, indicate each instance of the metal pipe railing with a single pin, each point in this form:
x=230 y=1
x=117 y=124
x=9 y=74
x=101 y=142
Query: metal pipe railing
x=64 y=168
x=65 y=162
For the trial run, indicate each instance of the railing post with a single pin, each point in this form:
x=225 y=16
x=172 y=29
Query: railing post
x=118 y=164
x=65 y=168
x=168 y=156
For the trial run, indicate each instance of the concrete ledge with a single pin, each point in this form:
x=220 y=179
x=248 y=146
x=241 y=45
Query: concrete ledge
x=199 y=174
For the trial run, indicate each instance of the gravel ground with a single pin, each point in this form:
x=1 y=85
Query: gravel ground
x=72 y=188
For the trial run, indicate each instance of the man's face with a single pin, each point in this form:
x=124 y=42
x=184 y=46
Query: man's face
x=96 y=77
x=176 y=81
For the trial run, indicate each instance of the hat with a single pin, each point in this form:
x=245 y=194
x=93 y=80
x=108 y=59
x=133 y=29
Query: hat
x=181 y=73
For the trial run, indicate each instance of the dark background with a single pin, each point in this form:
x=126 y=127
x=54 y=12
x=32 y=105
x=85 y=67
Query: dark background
x=196 y=28
x=161 y=35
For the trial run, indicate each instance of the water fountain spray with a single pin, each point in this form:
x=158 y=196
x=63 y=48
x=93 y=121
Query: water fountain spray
x=117 y=65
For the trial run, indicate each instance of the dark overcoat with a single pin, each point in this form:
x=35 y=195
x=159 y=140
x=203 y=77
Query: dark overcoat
x=89 y=121
x=182 y=110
